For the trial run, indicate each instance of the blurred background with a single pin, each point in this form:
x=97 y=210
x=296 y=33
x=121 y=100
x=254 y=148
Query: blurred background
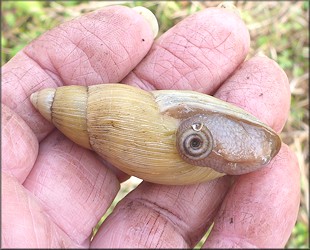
x=278 y=29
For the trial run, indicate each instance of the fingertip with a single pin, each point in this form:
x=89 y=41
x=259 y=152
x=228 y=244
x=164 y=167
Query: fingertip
x=149 y=17
x=230 y=7
x=260 y=87
x=198 y=53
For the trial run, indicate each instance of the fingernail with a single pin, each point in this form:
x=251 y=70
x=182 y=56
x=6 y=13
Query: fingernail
x=149 y=17
x=229 y=6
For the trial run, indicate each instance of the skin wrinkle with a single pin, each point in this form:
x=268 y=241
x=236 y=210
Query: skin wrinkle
x=196 y=191
x=24 y=201
x=23 y=75
x=174 y=197
x=41 y=68
x=141 y=83
x=223 y=41
x=64 y=82
x=14 y=123
x=51 y=61
x=235 y=99
x=39 y=182
x=82 y=203
x=256 y=74
x=156 y=57
x=41 y=185
x=50 y=37
x=205 y=57
x=91 y=33
x=70 y=42
x=235 y=242
x=171 y=49
x=194 y=238
x=159 y=236
x=114 y=51
x=92 y=193
x=65 y=160
x=81 y=75
x=172 y=85
x=196 y=32
x=179 y=198
x=45 y=70
x=206 y=194
x=169 y=67
x=166 y=214
x=74 y=230
x=190 y=70
x=33 y=226
x=19 y=108
x=80 y=166
x=89 y=58
x=157 y=230
x=145 y=229
x=215 y=47
x=124 y=31
x=14 y=107
x=206 y=40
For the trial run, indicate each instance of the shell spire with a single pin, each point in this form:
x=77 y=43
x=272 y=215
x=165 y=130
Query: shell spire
x=66 y=108
x=42 y=100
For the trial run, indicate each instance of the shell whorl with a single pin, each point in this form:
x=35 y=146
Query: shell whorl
x=194 y=140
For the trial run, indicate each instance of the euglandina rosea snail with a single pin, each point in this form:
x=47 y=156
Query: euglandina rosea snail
x=164 y=136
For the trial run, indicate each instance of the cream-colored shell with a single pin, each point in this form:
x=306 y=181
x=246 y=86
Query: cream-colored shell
x=133 y=129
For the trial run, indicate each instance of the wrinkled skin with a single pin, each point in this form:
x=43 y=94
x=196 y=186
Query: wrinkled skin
x=54 y=192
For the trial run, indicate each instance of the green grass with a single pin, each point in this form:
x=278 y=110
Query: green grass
x=278 y=30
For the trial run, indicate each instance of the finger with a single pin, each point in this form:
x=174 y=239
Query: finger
x=98 y=47
x=250 y=210
x=199 y=53
x=24 y=221
x=20 y=148
x=73 y=186
x=261 y=208
x=260 y=87
x=156 y=216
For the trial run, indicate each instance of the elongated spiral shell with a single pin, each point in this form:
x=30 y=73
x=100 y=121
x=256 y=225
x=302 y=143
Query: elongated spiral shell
x=145 y=134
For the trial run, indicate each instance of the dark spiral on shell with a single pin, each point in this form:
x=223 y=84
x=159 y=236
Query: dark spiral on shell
x=194 y=140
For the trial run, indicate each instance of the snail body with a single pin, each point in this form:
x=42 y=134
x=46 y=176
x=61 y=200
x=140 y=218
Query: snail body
x=164 y=136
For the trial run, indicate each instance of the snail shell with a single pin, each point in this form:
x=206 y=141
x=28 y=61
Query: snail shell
x=165 y=136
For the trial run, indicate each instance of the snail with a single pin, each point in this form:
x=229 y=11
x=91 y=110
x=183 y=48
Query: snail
x=173 y=137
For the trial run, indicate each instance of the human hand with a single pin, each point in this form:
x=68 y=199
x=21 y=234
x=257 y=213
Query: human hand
x=54 y=192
